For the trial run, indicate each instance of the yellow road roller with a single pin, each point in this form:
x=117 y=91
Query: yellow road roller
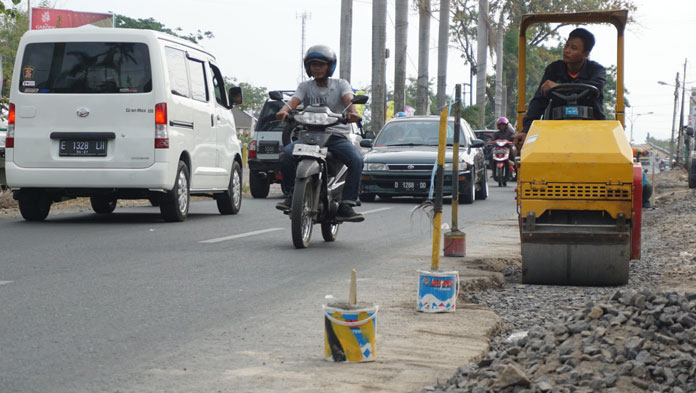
x=578 y=187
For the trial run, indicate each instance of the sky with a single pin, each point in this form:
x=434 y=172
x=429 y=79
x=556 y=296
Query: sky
x=260 y=42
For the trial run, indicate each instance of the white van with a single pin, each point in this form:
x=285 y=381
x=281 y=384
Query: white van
x=120 y=114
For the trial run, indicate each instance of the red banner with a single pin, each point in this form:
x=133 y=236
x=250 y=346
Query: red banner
x=50 y=18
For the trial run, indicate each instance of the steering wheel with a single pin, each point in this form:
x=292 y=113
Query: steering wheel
x=572 y=92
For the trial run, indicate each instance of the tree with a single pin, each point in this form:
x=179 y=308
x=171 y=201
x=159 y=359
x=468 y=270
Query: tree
x=13 y=24
x=9 y=12
x=123 y=21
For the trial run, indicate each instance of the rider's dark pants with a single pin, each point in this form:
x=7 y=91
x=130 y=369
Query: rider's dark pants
x=343 y=150
x=647 y=193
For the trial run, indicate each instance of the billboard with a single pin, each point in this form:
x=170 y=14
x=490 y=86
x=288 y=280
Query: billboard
x=51 y=18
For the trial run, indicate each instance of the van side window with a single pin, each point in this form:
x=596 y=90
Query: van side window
x=219 y=86
x=178 y=77
x=199 y=84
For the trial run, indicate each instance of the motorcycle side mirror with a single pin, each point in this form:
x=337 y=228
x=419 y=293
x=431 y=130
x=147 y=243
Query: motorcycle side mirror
x=690 y=131
x=370 y=135
x=360 y=100
x=477 y=143
x=275 y=95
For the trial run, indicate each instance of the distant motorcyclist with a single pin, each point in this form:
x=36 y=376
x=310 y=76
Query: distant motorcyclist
x=320 y=63
x=505 y=130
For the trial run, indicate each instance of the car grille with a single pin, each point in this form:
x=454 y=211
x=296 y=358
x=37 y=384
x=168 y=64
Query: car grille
x=410 y=167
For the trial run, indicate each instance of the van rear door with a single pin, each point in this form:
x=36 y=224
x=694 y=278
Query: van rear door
x=85 y=105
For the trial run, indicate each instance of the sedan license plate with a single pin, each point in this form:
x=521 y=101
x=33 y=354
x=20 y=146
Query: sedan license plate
x=408 y=185
x=268 y=148
x=82 y=148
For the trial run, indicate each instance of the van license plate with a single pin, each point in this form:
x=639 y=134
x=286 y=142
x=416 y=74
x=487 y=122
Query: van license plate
x=87 y=148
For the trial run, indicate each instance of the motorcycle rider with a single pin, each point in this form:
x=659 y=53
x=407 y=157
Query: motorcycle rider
x=505 y=130
x=320 y=64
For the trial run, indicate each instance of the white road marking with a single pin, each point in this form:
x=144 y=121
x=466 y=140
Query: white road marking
x=376 y=210
x=6 y=282
x=241 y=235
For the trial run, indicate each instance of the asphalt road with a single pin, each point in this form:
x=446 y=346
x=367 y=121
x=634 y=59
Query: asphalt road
x=115 y=303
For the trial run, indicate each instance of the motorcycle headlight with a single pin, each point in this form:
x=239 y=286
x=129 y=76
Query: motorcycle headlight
x=374 y=166
x=316 y=119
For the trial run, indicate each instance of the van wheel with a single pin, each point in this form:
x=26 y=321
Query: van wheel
x=34 y=205
x=175 y=205
x=103 y=204
x=259 y=187
x=231 y=200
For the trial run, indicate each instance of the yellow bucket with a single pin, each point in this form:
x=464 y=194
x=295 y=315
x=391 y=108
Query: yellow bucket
x=349 y=334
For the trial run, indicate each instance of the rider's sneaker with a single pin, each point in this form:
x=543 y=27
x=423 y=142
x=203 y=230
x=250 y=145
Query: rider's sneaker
x=286 y=204
x=346 y=213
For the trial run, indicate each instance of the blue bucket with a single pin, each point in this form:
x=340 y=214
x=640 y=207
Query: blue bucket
x=438 y=291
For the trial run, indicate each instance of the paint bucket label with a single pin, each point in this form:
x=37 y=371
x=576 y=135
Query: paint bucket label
x=438 y=291
x=349 y=335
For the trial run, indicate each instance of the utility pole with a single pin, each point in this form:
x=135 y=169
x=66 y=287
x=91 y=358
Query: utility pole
x=681 y=118
x=442 y=46
x=304 y=16
x=400 y=54
x=379 y=38
x=674 y=118
x=422 y=94
x=346 y=39
x=481 y=43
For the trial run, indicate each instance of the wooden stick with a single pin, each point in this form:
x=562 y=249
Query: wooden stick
x=353 y=294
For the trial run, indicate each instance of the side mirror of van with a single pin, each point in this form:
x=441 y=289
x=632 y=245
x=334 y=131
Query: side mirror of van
x=235 y=96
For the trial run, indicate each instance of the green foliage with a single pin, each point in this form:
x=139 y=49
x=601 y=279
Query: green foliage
x=658 y=142
x=123 y=21
x=254 y=97
x=9 y=12
x=12 y=26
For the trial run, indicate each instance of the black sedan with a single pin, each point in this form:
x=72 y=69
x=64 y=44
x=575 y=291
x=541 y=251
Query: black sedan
x=404 y=154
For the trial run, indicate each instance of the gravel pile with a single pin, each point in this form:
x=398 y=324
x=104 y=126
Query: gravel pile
x=637 y=338
x=631 y=341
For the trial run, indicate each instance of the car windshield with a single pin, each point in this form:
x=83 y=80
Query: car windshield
x=415 y=133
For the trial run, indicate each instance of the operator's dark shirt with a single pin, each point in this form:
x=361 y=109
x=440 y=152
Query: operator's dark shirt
x=591 y=73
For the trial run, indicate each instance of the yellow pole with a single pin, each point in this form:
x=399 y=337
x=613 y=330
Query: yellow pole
x=439 y=181
x=455 y=159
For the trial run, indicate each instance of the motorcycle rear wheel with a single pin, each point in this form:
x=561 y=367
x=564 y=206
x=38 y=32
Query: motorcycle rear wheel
x=301 y=214
x=329 y=231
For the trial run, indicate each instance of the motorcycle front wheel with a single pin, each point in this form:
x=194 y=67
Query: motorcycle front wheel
x=499 y=175
x=301 y=214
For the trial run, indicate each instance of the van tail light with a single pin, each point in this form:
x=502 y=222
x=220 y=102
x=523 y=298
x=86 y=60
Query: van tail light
x=9 y=138
x=252 y=149
x=161 y=131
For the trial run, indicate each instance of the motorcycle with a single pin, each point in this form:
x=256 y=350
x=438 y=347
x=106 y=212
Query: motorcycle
x=319 y=178
x=503 y=168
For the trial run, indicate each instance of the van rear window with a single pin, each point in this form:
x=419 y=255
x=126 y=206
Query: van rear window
x=86 y=68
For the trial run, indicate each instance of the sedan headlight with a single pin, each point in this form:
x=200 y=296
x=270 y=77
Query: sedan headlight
x=374 y=166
